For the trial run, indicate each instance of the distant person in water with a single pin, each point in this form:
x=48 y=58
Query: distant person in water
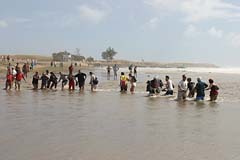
x=200 y=89
x=70 y=69
x=9 y=67
x=14 y=73
x=123 y=82
x=135 y=71
x=71 y=83
x=8 y=58
x=182 y=89
x=35 y=81
x=19 y=77
x=63 y=78
x=93 y=81
x=53 y=80
x=191 y=88
x=108 y=72
x=154 y=86
x=115 y=70
x=17 y=68
x=130 y=69
x=213 y=90
x=169 y=86
x=9 y=80
x=48 y=80
x=133 y=83
x=44 y=80
x=81 y=77
x=24 y=70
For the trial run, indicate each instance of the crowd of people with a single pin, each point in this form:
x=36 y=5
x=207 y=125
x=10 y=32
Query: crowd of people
x=185 y=88
x=48 y=79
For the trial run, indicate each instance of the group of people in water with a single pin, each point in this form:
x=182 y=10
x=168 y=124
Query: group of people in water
x=185 y=88
x=48 y=79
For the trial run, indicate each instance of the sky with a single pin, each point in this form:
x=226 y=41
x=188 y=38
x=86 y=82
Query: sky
x=205 y=31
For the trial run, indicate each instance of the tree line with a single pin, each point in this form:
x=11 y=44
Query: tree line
x=108 y=55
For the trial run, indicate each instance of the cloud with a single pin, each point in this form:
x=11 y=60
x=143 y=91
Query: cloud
x=163 y=4
x=90 y=14
x=191 y=31
x=234 y=39
x=152 y=23
x=198 y=10
x=22 y=20
x=215 y=32
x=3 y=24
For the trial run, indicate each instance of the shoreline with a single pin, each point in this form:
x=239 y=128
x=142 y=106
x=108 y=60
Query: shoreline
x=46 y=60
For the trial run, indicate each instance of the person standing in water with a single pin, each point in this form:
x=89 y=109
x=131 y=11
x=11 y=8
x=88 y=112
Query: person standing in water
x=123 y=82
x=108 y=72
x=191 y=88
x=19 y=77
x=70 y=69
x=115 y=70
x=63 y=79
x=35 y=81
x=135 y=71
x=93 y=81
x=130 y=69
x=200 y=89
x=9 y=80
x=169 y=86
x=213 y=90
x=24 y=70
x=14 y=73
x=182 y=89
x=44 y=79
x=81 y=77
x=48 y=80
x=133 y=82
x=71 y=82
x=53 y=80
x=17 y=68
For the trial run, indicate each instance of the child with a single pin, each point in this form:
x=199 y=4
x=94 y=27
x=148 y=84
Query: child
x=191 y=88
x=123 y=82
x=213 y=90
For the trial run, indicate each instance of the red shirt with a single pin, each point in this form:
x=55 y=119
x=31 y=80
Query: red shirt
x=10 y=77
x=19 y=76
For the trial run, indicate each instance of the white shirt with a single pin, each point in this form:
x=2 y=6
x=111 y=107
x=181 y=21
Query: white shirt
x=14 y=72
x=169 y=85
x=182 y=86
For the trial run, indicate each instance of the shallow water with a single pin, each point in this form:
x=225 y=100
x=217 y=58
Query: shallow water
x=107 y=125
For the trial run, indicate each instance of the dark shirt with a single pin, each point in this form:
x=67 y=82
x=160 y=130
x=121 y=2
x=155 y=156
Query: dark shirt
x=191 y=86
x=200 y=88
x=81 y=77
x=35 y=79
x=44 y=79
x=53 y=78
x=156 y=83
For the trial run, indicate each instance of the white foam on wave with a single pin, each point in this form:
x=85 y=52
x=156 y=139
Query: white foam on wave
x=195 y=70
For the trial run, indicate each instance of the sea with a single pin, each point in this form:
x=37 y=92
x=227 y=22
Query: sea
x=108 y=125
